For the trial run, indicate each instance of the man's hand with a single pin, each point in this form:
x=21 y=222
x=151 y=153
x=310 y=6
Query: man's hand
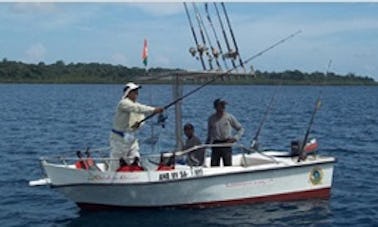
x=231 y=140
x=135 y=125
x=158 y=110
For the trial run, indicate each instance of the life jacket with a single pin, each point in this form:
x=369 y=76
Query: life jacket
x=87 y=163
x=81 y=164
x=91 y=164
x=131 y=168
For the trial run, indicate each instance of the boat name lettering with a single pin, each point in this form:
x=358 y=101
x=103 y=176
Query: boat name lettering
x=250 y=183
x=111 y=177
x=100 y=177
x=173 y=175
x=198 y=172
x=164 y=176
x=183 y=174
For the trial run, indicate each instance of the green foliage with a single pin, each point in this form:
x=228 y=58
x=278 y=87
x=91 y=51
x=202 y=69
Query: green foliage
x=297 y=77
x=59 y=72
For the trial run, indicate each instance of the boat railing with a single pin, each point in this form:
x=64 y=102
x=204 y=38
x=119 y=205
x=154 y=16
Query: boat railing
x=167 y=154
x=206 y=146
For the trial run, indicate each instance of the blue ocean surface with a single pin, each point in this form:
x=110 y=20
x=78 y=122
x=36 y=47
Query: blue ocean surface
x=56 y=120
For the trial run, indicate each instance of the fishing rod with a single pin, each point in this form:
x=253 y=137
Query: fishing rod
x=302 y=155
x=215 y=35
x=232 y=35
x=194 y=36
x=224 y=33
x=273 y=46
x=202 y=35
x=136 y=125
x=213 y=50
x=254 y=143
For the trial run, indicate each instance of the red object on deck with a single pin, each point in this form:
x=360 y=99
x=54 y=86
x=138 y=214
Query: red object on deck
x=131 y=168
x=311 y=146
x=165 y=168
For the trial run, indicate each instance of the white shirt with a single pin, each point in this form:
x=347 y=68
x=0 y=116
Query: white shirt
x=128 y=113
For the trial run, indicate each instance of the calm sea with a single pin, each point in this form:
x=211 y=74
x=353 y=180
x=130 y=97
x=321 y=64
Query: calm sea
x=43 y=120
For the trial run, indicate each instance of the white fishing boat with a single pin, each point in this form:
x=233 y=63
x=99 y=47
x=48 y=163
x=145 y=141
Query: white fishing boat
x=254 y=177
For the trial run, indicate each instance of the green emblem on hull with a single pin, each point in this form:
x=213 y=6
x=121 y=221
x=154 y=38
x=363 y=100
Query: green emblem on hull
x=316 y=175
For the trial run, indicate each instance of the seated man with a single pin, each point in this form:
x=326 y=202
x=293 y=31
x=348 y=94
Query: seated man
x=166 y=163
x=196 y=157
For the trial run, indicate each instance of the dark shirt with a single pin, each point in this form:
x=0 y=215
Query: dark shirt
x=220 y=128
x=196 y=157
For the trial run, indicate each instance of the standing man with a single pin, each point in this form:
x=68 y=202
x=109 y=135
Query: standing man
x=196 y=157
x=126 y=122
x=220 y=125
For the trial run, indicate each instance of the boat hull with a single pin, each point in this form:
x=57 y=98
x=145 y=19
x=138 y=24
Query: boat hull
x=201 y=187
x=323 y=193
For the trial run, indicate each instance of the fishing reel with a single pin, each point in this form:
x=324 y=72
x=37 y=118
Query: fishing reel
x=161 y=119
x=232 y=54
x=193 y=51
x=215 y=52
x=202 y=49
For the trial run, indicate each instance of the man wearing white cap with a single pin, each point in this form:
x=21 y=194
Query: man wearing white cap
x=128 y=114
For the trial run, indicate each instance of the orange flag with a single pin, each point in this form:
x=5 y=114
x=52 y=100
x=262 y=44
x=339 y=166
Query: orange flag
x=145 y=53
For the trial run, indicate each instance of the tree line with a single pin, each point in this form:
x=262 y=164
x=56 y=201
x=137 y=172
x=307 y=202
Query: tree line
x=59 y=72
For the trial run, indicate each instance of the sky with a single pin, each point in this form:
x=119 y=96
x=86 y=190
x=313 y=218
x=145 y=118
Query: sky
x=345 y=33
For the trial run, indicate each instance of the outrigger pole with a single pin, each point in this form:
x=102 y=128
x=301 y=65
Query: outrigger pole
x=194 y=36
x=202 y=35
x=216 y=36
x=224 y=33
x=232 y=36
x=136 y=125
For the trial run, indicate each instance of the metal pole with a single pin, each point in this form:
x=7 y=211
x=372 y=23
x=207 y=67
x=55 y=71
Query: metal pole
x=224 y=34
x=177 y=92
x=232 y=36
x=194 y=35
x=215 y=35
x=198 y=17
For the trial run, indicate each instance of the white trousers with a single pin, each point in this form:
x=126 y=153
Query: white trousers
x=121 y=148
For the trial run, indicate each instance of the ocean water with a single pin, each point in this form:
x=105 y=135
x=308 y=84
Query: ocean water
x=56 y=120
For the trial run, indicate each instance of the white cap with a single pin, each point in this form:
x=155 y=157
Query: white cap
x=129 y=87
